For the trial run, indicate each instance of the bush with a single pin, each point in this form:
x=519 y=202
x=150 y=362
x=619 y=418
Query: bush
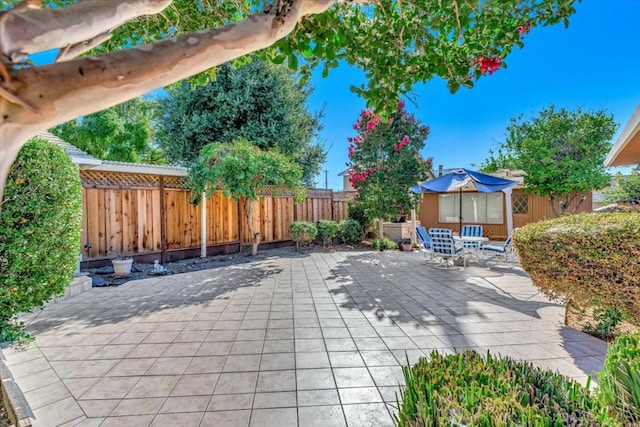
x=608 y=319
x=619 y=385
x=40 y=225
x=327 y=231
x=302 y=232
x=350 y=231
x=467 y=389
x=386 y=244
x=591 y=259
x=355 y=211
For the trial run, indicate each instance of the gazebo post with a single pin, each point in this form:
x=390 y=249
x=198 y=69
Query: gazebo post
x=509 y=206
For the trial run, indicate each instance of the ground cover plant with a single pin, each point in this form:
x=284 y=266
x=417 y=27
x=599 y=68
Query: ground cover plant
x=40 y=226
x=619 y=385
x=467 y=389
x=589 y=260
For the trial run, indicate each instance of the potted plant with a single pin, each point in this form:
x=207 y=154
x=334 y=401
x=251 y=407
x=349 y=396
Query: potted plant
x=122 y=266
x=406 y=245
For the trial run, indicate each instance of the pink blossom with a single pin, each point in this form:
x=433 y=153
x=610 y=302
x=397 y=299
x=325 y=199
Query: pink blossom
x=401 y=105
x=371 y=125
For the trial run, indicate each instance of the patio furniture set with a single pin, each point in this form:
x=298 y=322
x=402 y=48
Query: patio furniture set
x=446 y=246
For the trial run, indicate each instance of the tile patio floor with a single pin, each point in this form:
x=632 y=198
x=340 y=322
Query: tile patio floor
x=284 y=341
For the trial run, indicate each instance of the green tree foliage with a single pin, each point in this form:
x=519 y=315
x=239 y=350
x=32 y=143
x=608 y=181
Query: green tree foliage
x=121 y=133
x=244 y=172
x=40 y=226
x=561 y=151
x=385 y=161
x=396 y=42
x=263 y=103
x=628 y=188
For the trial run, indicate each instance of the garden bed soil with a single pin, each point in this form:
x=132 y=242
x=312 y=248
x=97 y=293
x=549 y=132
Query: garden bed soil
x=578 y=319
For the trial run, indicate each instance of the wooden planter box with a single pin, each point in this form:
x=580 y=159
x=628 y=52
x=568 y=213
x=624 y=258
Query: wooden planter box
x=398 y=231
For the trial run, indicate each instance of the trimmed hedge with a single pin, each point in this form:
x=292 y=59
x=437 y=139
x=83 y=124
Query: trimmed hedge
x=619 y=385
x=591 y=259
x=465 y=389
x=350 y=231
x=327 y=231
x=303 y=232
x=40 y=225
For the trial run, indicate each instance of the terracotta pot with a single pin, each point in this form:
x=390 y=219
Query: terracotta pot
x=407 y=247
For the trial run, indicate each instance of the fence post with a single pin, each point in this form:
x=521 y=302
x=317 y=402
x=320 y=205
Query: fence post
x=240 y=225
x=163 y=224
x=203 y=226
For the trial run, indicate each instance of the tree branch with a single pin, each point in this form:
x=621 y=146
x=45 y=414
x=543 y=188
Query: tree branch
x=25 y=31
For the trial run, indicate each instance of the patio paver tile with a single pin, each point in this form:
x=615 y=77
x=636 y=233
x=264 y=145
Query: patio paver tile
x=143 y=406
x=236 y=382
x=178 y=419
x=176 y=404
x=227 y=418
x=230 y=402
x=318 y=397
x=280 y=399
x=278 y=417
x=321 y=416
x=276 y=381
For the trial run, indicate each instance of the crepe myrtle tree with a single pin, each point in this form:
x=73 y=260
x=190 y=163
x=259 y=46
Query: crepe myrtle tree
x=136 y=46
x=385 y=161
x=245 y=172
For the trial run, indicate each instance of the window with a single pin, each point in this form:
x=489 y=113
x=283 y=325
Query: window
x=520 y=204
x=478 y=208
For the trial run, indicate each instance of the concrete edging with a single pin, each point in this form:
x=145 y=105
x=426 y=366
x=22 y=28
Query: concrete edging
x=18 y=409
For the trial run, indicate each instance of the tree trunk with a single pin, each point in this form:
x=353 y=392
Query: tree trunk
x=380 y=233
x=255 y=236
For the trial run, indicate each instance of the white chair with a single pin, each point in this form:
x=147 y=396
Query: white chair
x=472 y=231
x=498 y=250
x=444 y=247
x=424 y=242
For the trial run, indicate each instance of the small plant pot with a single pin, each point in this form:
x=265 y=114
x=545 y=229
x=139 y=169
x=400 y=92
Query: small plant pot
x=122 y=267
x=406 y=247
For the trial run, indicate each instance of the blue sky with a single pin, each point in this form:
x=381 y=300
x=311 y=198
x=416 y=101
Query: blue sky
x=593 y=64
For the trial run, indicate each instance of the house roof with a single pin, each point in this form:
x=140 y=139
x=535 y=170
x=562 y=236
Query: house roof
x=626 y=150
x=142 y=168
x=79 y=157
x=86 y=161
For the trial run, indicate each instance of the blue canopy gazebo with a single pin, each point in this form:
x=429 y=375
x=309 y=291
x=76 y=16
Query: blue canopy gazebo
x=459 y=178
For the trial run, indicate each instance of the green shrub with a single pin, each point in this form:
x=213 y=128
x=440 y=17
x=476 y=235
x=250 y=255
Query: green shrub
x=356 y=211
x=619 y=385
x=386 y=244
x=608 y=319
x=350 y=231
x=590 y=259
x=40 y=226
x=327 y=231
x=467 y=389
x=302 y=232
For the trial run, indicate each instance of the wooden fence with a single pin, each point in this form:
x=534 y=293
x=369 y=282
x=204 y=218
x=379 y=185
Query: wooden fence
x=137 y=214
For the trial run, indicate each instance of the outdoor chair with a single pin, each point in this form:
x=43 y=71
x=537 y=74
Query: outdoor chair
x=472 y=231
x=498 y=249
x=444 y=247
x=424 y=241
